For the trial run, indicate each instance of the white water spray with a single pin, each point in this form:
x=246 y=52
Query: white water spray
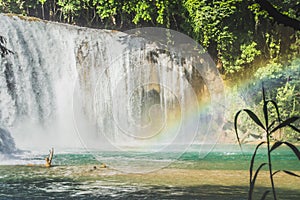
x=65 y=85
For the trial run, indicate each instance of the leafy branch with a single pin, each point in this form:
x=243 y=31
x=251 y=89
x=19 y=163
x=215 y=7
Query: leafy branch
x=268 y=129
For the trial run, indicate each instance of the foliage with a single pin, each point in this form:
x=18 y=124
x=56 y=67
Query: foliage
x=247 y=56
x=283 y=83
x=270 y=126
x=235 y=32
x=292 y=10
x=207 y=18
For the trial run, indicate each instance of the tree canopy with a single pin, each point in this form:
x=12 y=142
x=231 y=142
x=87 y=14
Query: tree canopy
x=235 y=32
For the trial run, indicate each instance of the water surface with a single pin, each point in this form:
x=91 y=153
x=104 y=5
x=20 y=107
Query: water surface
x=219 y=175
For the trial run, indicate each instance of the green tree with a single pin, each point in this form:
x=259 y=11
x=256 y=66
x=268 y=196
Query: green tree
x=236 y=33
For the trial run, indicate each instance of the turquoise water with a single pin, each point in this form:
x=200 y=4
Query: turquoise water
x=237 y=159
x=72 y=176
x=221 y=158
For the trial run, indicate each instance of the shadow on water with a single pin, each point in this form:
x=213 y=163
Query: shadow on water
x=214 y=192
x=23 y=182
x=64 y=188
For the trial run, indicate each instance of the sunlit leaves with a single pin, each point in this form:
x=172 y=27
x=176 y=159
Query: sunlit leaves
x=207 y=19
x=42 y=1
x=248 y=54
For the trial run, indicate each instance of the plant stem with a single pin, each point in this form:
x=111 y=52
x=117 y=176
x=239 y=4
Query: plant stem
x=270 y=166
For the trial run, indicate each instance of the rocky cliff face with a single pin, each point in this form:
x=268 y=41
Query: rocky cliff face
x=7 y=143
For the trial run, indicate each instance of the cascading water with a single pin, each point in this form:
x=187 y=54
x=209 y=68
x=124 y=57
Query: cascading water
x=37 y=81
x=7 y=143
x=115 y=90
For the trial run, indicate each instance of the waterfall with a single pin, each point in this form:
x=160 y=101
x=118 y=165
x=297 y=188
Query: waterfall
x=37 y=81
x=66 y=85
